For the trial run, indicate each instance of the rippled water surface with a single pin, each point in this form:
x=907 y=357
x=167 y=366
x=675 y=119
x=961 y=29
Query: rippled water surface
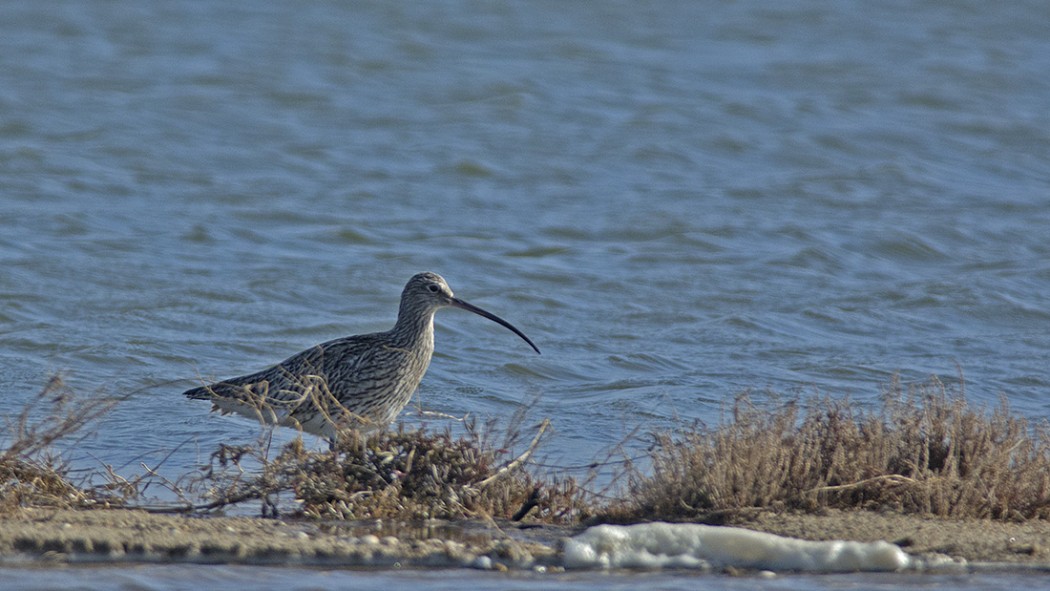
x=677 y=201
x=139 y=578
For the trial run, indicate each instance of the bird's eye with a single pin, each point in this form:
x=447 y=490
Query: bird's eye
x=433 y=288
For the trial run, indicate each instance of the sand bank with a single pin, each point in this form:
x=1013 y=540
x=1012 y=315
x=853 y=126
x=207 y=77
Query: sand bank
x=137 y=536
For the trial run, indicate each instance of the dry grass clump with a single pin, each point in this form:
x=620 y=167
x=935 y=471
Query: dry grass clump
x=400 y=474
x=24 y=484
x=29 y=474
x=926 y=452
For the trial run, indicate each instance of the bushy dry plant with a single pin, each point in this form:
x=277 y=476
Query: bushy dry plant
x=29 y=474
x=925 y=451
x=404 y=474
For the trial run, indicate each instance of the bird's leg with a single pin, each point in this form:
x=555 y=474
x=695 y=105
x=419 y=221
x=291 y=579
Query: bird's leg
x=269 y=505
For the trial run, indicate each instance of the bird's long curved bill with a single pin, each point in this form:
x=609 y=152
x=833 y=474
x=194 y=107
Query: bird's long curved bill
x=458 y=303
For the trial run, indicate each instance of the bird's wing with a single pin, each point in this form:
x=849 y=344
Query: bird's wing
x=287 y=380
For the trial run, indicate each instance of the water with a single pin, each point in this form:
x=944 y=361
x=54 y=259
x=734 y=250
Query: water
x=677 y=202
x=148 y=578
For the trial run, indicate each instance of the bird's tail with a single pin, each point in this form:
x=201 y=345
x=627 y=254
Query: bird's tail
x=232 y=390
x=200 y=393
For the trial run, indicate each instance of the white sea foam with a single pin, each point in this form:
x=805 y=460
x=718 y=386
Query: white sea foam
x=655 y=545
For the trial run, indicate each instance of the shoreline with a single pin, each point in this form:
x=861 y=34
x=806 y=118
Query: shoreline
x=118 y=536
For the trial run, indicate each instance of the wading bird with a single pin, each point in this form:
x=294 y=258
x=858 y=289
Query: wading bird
x=360 y=382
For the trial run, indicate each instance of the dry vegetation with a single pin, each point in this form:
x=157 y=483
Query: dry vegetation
x=29 y=474
x=395 y=474
x=923 y=451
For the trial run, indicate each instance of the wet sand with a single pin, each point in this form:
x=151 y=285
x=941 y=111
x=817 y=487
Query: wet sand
x=975 y=540
x=137 y=536
x=127 y=535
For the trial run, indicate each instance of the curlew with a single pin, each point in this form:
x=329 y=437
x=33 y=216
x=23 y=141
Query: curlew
x=360 y=382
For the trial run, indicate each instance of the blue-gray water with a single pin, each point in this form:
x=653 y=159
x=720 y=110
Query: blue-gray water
x=174 y=577
x=677 y=201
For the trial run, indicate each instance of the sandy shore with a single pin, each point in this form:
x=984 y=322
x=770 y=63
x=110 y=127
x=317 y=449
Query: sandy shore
x=137 y=536
x=126 y=535
x=976 y=541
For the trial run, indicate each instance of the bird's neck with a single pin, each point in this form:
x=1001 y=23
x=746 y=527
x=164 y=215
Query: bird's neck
x=414 y=330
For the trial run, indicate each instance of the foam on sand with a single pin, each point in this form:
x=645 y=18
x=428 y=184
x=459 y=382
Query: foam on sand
x=689 y=545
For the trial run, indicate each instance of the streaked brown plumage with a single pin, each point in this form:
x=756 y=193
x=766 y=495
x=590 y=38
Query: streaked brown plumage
x=361 y=381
